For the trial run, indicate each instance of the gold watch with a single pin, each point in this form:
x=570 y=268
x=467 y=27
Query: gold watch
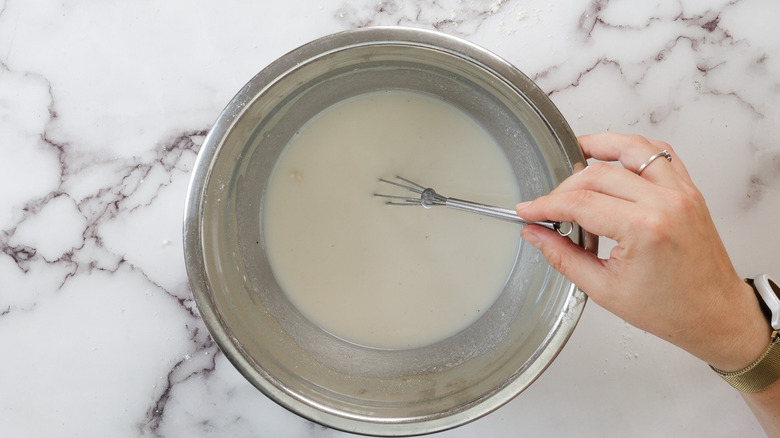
x=766 y=369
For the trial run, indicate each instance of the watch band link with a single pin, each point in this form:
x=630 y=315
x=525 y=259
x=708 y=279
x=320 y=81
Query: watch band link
x=758 y=375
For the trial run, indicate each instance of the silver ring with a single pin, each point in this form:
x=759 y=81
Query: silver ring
x=663 y=153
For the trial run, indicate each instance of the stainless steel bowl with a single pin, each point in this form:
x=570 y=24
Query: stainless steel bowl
x=300 y=366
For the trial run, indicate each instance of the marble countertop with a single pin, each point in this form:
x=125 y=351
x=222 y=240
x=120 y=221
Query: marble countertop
x=103 y=107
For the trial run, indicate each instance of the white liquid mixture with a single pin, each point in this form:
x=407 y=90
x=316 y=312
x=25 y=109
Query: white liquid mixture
x=389 y=276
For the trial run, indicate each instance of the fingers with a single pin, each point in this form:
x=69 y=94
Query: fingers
x=608 y=179
x=611 y=201
x=608 y=200
x=579 y=266
x=599 y=213
x=632 y=151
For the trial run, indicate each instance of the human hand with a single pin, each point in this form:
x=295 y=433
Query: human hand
x=669 y=273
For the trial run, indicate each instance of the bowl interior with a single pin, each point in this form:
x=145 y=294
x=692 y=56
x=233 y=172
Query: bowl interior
x=296 y=363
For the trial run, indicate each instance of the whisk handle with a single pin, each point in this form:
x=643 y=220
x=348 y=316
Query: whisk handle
x=562 y=228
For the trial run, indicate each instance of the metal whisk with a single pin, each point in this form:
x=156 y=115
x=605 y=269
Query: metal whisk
x=429 y=198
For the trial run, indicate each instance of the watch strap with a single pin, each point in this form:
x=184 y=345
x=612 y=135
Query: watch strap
x=764 y=307
x=758 y=375
x=768 y=293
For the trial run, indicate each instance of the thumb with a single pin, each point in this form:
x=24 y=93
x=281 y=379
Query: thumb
x=579 y=266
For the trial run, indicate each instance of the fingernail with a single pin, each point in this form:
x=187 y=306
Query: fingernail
x=531 y=238
x=523 y=205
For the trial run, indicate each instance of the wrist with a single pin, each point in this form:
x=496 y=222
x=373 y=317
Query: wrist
x=763 y=372
x=744 y=331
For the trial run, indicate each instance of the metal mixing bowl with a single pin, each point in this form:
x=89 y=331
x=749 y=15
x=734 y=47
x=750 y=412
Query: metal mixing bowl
x=302 y=367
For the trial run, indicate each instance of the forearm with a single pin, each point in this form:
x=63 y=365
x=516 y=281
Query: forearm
x=766 y=407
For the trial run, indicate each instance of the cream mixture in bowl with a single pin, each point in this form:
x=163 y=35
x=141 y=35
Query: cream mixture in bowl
x=365 y=317
x=375 y=275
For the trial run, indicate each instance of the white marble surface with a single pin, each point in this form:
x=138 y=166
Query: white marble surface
x=103 y=106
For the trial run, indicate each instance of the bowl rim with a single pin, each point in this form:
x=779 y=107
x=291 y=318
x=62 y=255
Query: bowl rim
x=194 y=212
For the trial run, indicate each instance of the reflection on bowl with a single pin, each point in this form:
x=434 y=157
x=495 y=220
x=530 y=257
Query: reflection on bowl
x=301 y=366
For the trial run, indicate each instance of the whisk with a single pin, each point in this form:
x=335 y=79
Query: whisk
x=429 y=198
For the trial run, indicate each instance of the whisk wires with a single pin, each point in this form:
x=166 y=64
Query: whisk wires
x=428 y=197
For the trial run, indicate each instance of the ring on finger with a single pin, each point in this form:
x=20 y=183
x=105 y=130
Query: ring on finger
x=664 y=153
